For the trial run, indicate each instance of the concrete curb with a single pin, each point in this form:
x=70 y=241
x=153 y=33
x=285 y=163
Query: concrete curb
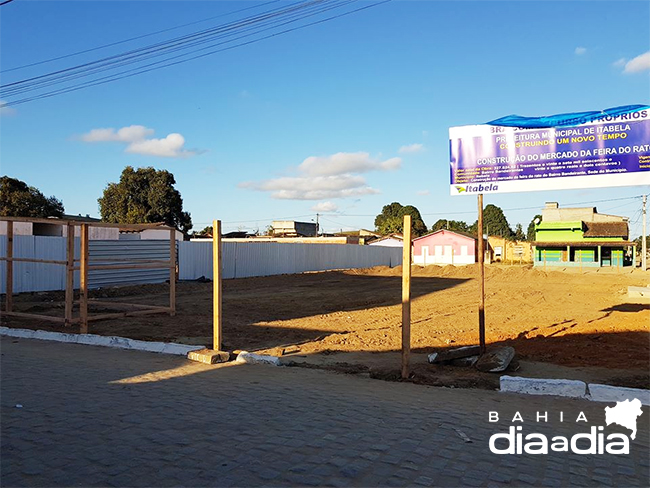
x=611 y=394
x=252 y=358
x=104 y=341
x=572 y=389
x=535 y=386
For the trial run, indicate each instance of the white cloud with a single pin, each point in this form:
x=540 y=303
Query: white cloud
x=325 y=207
x=138 y=142
x=580 y=50
x=619 y=62
x=4 y=111
x=342 y=163
x=411 y=148
x=638 y=64
x=313 y=187
x=326 y=177
x=423 y=192
x=169 y=147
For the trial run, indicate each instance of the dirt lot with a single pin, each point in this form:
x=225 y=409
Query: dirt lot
x=562 y=318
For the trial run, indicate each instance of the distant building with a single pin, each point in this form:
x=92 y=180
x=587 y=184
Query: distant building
x=503 y=250
x=291 y=228
x=444 y=247
x=571 y=237
x=392 y=240
x=361 y=236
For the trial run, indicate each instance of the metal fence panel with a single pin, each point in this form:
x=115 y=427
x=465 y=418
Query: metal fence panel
x=243 y=259
x=105 y=252
x=240 y=260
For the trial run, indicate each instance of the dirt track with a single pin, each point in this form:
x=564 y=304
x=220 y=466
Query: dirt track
x=564 y=318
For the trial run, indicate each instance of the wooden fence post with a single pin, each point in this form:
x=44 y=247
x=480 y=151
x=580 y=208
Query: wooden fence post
x=83 y=281
x=172 y=272
x=406 y=297
x=9 y=290
x=216 y=285
x=69 y=275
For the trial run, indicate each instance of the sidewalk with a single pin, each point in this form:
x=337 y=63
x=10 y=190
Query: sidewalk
x=102 y=417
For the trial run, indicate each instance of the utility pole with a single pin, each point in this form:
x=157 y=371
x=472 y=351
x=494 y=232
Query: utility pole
x=317 y=215
x=644 y=249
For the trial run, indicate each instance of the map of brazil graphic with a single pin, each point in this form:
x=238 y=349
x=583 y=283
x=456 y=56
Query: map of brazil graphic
x=624 y=414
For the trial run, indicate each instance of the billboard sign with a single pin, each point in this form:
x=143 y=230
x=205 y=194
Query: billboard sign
x=613 y=150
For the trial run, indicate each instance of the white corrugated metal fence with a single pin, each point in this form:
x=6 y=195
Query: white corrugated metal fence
x=240 y=260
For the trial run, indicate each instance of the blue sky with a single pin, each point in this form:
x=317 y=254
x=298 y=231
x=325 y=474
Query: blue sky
x=342 y=117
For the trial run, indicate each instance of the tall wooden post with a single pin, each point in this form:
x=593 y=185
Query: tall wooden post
x=172 y=272
x=216 y=285
x=69 y=275
x=481 y=267
x=406 y=297
x=9 y=299
x=83 y=281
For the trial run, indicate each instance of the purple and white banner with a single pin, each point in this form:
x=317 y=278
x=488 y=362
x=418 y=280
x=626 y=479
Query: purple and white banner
x=613 y=151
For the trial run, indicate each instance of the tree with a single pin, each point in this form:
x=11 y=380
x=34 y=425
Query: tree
x=144 y=195
x=455 y=225
x=17 y=199
x=494 y=222
x=530 y=233
x=519 y=233
x=391 y=219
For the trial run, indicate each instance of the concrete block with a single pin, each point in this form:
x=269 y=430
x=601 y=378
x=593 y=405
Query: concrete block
x=252 y=358
x=535 y=386
x=208 y=356
x=496 y=360
x=638 y=291
x=611 y=394
x=449 y=354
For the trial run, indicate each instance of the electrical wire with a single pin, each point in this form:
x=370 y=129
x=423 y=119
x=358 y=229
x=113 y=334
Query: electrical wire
x=70 y=76
x=15 y=88
x=161 y=47
x=131 y=39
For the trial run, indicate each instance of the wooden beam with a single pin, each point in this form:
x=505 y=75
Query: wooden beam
x=107 y=303
x=9 y=290
x=481 y=267
x=135 y=227
x=131 y=313
x=69 y=276
x=35 y=316
x=216 y=286
x=83 y=285
x=33 y=260
x=172 y=272
x=406 y=297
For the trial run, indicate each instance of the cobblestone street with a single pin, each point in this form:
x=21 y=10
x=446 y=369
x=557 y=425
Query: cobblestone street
x=101 y=417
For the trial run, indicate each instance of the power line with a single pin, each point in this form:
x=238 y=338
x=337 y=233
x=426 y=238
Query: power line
x=159 y=48
x=5 y=2
x=131 y=39
x=15 y=89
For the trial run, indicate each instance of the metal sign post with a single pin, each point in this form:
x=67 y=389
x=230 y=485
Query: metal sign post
x=481 y=267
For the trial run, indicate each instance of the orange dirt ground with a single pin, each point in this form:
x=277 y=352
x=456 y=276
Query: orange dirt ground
x=561 y=317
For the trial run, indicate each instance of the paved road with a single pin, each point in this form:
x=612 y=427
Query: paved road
x=101 y=417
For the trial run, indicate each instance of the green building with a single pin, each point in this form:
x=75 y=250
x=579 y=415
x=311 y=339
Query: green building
x=582 y=237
